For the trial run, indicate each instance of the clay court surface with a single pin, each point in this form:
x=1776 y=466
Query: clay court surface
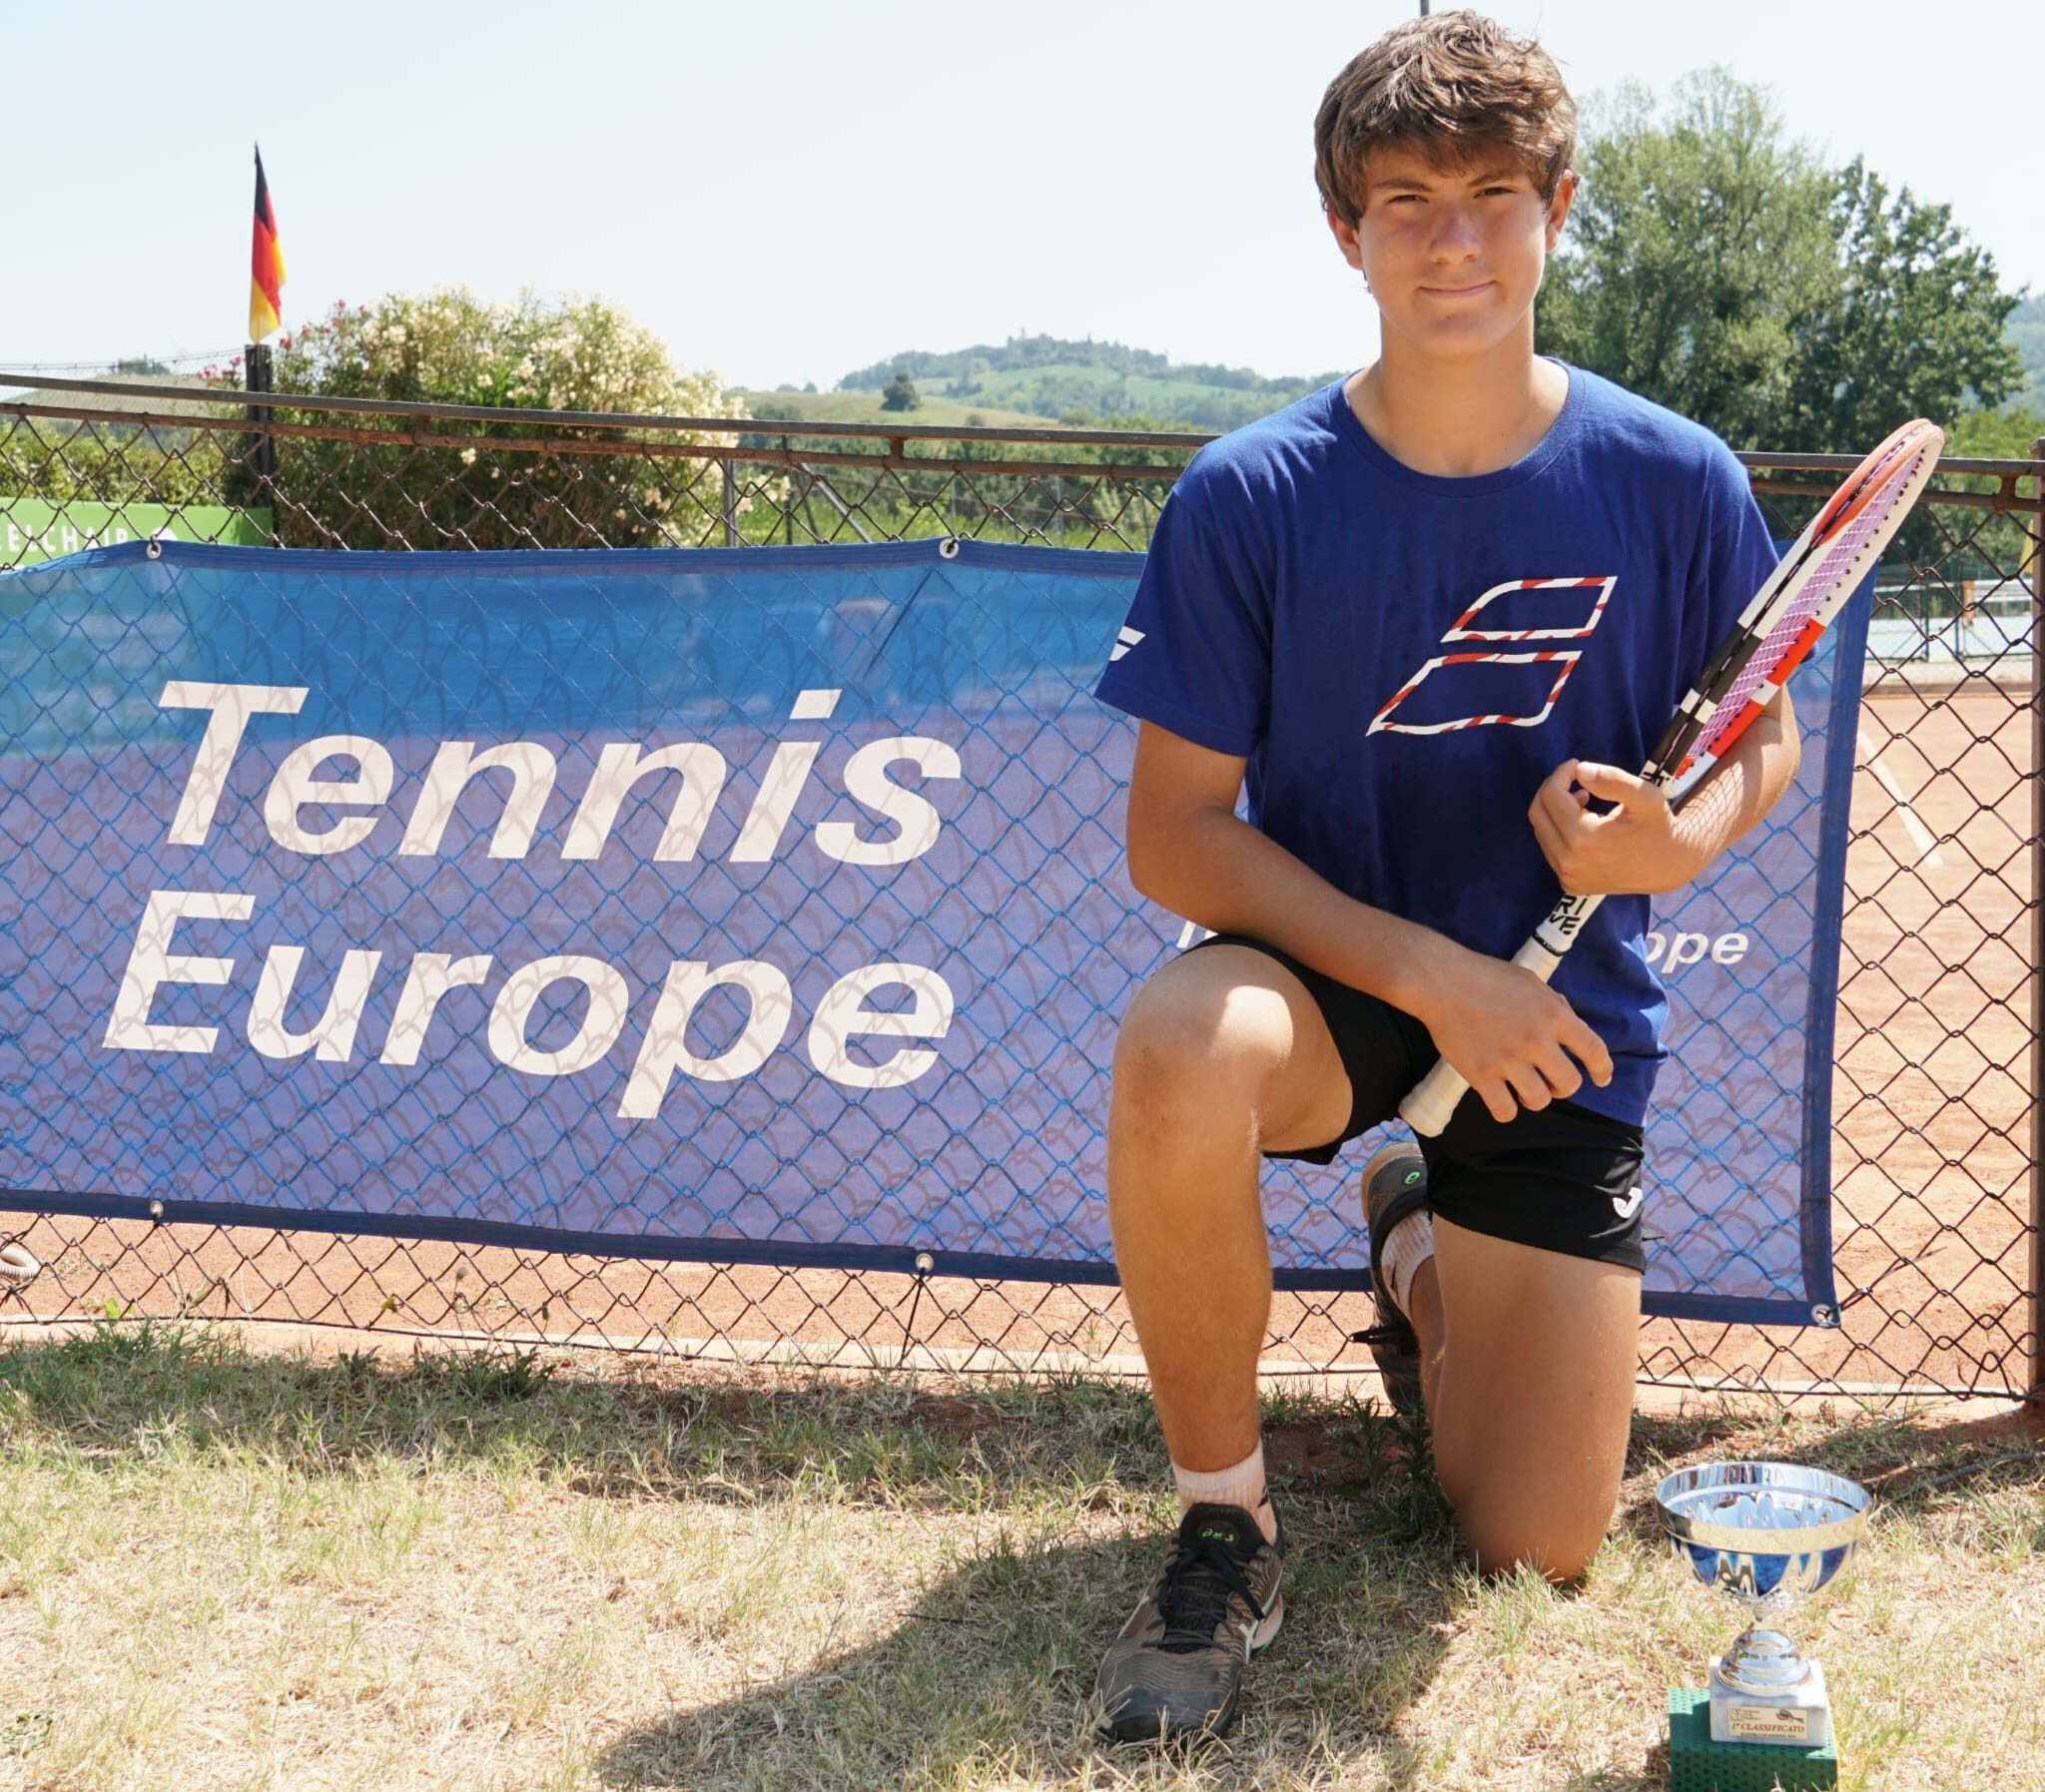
x=1931 y=1158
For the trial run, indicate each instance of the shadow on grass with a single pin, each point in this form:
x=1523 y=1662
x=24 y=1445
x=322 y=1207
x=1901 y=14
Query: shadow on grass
x=601 y=1427
x=988 y=1675
x=993 y=1661
x=1908 y=1462
x=730 y=1434
x=989 y=1681
x=1653 y=1777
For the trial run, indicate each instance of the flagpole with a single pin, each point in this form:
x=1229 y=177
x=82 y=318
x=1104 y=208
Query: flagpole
x=265 y=315
x=258 y=375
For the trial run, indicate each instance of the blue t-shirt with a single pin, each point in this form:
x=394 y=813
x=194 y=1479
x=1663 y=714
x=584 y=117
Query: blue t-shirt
x=1402 y=659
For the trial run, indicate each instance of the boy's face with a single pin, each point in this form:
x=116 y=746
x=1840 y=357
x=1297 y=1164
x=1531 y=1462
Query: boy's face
x=1453 y=255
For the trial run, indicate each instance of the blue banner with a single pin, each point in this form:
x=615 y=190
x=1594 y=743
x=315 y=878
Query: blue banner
x=754 y=905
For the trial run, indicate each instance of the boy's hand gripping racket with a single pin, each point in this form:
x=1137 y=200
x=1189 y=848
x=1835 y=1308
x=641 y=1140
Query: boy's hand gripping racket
x=1823 y=567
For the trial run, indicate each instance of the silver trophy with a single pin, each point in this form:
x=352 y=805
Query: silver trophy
x=1770 y=1535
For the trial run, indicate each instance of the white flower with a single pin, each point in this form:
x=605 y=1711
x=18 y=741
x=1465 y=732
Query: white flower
x=469 y=457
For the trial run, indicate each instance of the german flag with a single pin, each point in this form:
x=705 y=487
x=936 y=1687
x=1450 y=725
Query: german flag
x=265 y=264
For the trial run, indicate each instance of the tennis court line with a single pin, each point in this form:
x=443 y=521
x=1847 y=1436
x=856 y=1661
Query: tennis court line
x=1921 y=836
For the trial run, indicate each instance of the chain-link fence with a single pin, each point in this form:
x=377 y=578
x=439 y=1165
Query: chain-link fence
x=1936 y=1053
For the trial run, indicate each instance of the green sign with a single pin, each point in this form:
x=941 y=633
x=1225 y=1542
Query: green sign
x=32 y=529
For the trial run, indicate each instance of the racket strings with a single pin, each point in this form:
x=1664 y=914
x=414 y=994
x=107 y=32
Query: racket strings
x=1840 y=564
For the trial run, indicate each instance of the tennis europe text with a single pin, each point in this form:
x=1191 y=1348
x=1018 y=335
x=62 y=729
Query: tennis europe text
x=310 y=814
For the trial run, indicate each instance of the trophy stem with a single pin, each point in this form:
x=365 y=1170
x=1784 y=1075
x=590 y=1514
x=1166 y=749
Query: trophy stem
x=1763 y=1662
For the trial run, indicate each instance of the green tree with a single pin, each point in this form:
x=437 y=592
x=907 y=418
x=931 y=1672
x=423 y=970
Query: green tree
x=900 y=393
x=1995 y=434
x=1912 y=326
x=1994 y=546
x=1716 y=267
x=1698 y=245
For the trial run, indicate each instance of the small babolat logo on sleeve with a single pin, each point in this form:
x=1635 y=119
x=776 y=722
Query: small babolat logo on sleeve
x=1123 y=642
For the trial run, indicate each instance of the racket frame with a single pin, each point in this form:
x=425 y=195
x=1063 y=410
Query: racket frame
x=1675 y=766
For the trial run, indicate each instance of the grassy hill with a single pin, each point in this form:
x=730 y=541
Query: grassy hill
x=865 y=407
x=24 y=391
x=1059 y=377
x=166 y=437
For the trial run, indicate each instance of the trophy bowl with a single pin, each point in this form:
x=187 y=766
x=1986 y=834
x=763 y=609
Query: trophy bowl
x=1770 y=1535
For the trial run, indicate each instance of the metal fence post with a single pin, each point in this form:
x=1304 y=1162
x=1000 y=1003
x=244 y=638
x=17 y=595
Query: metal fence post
x=2034 y=1384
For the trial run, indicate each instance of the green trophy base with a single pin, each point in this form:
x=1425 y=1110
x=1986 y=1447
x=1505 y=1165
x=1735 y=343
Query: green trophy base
x=1698 y=1764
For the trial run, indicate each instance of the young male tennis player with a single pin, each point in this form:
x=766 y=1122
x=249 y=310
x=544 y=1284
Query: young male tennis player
x=1430 y=613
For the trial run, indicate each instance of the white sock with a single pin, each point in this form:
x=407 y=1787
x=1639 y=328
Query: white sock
x=1411 y=1244
x=1241 y=1485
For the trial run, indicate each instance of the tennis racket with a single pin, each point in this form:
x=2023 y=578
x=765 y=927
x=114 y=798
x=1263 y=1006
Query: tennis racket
x=1823 y=567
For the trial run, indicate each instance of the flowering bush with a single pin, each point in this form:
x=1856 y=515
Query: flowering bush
x=449 y=347
x=452 y=346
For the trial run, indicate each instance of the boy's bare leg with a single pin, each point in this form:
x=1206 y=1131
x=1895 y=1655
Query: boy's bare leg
x=1527 y=1361
x=1222 y=1055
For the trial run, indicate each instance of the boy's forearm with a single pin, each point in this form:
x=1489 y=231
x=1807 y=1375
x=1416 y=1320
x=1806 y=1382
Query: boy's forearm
x=1224 y=875
x=1747 y=784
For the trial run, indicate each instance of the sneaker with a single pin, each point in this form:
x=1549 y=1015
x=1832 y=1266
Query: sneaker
x=1394 y=1185
x=1177 y=1669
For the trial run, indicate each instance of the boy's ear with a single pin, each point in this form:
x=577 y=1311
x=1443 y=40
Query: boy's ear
x=1559 y=206
x=1345 y=239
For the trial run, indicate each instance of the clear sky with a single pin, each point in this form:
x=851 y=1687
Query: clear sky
x=789 y=191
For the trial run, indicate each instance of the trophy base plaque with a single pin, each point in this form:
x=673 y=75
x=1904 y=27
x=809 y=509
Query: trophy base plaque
x=1797 y=1715
x=1697 y=1763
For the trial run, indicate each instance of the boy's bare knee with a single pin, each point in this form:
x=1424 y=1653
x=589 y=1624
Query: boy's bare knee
x=1189 y=1036
x=1164 y=1076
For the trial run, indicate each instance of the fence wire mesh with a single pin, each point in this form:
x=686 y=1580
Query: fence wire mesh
x=1935 y=1068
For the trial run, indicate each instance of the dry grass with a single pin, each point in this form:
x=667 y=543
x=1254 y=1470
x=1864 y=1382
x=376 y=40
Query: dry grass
x=233 y=1569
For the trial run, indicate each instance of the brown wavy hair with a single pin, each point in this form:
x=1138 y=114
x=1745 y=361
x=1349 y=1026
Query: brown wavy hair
x=1448 y=87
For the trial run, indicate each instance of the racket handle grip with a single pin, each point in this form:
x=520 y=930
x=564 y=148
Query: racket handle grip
x=1432 y=1098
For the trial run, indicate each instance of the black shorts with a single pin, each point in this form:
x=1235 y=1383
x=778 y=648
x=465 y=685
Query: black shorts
x=1560 y=1178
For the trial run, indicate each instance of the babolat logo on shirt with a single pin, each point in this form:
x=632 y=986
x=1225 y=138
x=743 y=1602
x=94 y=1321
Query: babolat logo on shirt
x=1475 y=681
x=1123 y=642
